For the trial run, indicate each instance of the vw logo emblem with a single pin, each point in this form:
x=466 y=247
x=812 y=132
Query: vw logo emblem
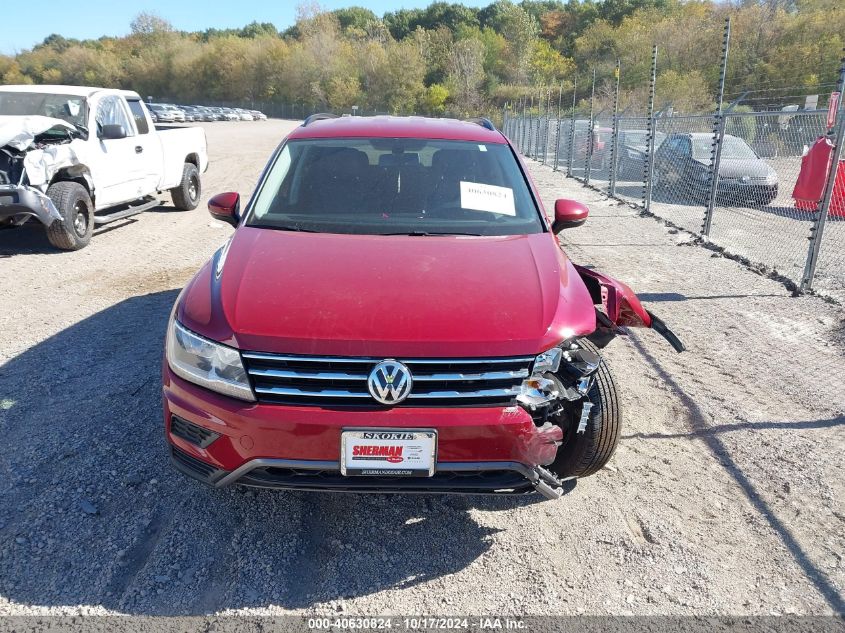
x=745 y=179
x=390 y=382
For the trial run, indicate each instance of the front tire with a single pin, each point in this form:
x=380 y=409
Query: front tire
x=581 y=455
x=186 y=196
x=75 y=228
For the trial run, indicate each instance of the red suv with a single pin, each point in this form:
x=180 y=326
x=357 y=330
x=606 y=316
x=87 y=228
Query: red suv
x=394 y=313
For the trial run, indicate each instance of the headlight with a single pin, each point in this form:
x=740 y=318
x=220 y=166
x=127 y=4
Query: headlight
x=571 y=383
x=548 y=361
x=537 y=390
x=206 y=363
x=771 y=178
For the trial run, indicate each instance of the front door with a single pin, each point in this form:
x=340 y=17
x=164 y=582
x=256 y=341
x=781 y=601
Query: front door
x=118 y=170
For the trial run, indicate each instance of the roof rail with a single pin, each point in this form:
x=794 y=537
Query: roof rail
x=319 y=116
x=483 y=122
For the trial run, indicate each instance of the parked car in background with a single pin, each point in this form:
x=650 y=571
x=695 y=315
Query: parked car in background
x=178 y=113
x=244 y=114
x=682 y=166
x=230 y=114
x=207 y=114
x=69 y=153
x=163 y=114
x=193 y=113
x=258 y=115
x=633 y=149
x=497 y=386
x=600 y=145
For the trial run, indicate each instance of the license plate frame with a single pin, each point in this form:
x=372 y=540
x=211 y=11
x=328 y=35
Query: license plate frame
x=418 y=454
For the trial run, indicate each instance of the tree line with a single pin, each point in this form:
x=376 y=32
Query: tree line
x=448 y=57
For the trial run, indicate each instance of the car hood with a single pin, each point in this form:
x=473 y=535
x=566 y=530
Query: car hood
x=364 y=295
x=736 y=168
x=20 y=131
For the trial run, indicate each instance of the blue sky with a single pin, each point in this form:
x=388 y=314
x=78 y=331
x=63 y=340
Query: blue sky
x=28 y=22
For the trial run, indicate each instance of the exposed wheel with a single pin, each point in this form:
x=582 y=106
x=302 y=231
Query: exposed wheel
x=586 y=453
x=74 y=230
x=187 y=195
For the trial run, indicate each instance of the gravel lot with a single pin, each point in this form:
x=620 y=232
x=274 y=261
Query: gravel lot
x=725 y=496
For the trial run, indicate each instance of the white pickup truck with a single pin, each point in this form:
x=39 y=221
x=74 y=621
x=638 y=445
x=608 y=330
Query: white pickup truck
x=75 y=157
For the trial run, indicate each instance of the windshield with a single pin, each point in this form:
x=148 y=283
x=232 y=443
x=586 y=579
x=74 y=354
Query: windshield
x=640 y=139
x=733 y=148
x=385 y=186
x=69 y=108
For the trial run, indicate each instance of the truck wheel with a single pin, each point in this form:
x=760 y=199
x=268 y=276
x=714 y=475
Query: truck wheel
x=187 y=195
x=74 y=230
x=586 y=453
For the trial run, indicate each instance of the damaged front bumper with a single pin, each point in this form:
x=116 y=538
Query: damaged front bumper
x=325 y=476
x=18 y=203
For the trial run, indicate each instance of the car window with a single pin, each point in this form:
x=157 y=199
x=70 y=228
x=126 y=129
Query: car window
x=388 y=186
x=110 y=111
x=139 y=116
x=733 y=148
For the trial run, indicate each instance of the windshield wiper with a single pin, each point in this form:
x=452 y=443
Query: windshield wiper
x=284 y=227
x=431 y=233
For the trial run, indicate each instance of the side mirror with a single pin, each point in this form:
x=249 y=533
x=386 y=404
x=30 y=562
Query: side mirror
x=226 y=207
x=569 y=214
x=112 y=132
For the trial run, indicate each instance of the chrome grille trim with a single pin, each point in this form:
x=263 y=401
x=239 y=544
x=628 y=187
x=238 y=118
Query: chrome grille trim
x=332 y=380
x=320 y=375
x=322 y=393
x=487 y=375
x=484 y=393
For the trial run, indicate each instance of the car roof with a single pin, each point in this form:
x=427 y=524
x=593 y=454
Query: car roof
x=75 y=91
x=398 y=127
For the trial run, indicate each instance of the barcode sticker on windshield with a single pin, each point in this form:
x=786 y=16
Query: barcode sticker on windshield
x=481 y=197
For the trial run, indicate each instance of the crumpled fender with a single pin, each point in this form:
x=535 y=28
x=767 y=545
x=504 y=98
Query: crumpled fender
x=622 y=306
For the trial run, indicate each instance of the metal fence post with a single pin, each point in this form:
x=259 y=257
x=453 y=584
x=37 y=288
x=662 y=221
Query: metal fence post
x=539 y=120
x=541 y=146
x=571 y=149
x=818 y=226
x=557 y=132
x=614 y=141
x=718 y=134
x=528 y=106
x=522 y=125
x=648 y=176
x=548 y=121
x=590 y=133
x=530 y=128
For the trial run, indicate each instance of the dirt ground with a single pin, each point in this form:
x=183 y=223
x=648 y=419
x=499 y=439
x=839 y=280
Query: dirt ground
x=725 y=495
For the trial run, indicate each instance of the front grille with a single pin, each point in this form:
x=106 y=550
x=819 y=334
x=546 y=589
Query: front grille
x=490 y=481
x=331 y=381
x=191 y=432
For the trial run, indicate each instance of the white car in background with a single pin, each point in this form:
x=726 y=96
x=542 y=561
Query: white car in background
x=69 y=153
x=162 y=113
x=178 y=113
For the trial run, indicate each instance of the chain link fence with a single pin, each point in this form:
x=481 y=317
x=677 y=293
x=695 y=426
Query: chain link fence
x=727 y=177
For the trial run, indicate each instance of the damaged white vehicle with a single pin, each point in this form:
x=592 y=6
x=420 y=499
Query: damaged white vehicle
x=75 y=157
